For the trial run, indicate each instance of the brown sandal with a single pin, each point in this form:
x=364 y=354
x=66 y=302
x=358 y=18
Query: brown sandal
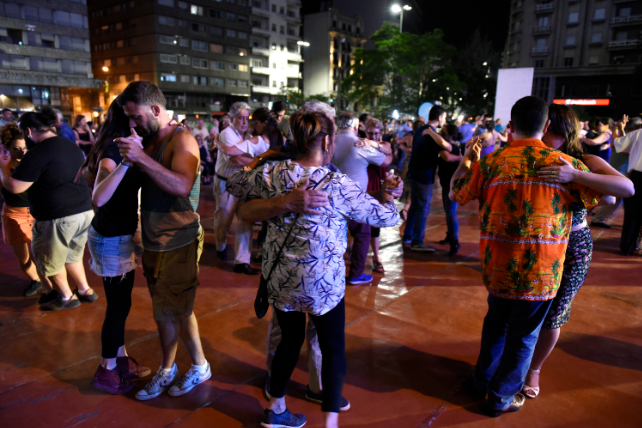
x=378 y=267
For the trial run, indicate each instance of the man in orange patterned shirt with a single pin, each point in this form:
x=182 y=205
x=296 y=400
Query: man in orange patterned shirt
x=524 y=223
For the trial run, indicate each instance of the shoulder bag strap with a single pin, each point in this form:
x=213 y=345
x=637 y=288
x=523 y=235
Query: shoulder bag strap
x=290 y=233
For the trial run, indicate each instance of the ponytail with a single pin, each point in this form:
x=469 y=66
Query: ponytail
x=307 y=130
x=42 y=121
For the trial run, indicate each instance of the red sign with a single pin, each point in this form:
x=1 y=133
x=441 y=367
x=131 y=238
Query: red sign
x=588 y=102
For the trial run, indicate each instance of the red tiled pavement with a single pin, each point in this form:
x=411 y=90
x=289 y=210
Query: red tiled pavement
x=411 y=338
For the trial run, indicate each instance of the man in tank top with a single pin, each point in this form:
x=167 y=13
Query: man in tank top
x=171 y=230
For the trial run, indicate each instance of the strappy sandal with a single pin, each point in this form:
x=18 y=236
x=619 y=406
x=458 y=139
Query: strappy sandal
x=378 y=267
x=531 y=391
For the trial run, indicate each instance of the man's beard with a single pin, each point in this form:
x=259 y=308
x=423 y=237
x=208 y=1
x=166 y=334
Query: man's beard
x=148 y=130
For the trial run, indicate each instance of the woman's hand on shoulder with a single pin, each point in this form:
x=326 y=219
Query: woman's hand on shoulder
x=564 y=173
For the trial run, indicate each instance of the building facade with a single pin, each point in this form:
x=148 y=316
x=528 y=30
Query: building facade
x=197 y=51
x=333 y=38
x=46 y=58
x=580 y=50
x=276 y=53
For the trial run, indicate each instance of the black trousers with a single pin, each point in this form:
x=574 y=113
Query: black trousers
x=632 y=216
x=118 y=291
x=331 y=331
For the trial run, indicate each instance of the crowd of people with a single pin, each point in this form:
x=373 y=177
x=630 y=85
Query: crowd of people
x=311 y=182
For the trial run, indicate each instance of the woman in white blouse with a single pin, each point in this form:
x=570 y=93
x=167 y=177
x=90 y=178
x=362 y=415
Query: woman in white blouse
x=309 y=276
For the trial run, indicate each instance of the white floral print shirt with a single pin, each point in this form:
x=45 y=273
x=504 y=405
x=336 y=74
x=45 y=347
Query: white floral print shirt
x=310 y=274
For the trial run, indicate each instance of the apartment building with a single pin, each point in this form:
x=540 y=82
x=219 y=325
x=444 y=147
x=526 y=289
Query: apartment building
x=333 y=38
x=276 y=53
x=46 y=58
x=583 y=51
x=196 y=51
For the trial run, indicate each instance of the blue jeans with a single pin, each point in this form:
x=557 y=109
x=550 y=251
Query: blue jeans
x=420 y=196
x=450 y=208
x=509 y=336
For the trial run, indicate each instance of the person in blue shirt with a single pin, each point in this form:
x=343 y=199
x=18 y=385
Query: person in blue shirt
x=63 y=129
x=498 y=126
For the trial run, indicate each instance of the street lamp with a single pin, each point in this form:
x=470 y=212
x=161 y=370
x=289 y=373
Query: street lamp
x=399 y=9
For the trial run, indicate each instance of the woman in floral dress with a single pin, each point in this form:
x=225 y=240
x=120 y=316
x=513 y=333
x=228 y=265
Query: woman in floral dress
x=563 y=134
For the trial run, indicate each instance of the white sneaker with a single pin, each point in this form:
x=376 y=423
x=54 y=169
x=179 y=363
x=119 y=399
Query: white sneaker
x=160 y=382
x=192 y=378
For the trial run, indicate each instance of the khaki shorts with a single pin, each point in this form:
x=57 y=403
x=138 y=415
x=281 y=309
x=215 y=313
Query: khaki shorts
x=172 y=278
x=60 y=241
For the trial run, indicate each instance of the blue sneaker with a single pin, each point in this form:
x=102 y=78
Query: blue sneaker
x=406 y=241
x=363 y=279
x=284 y=420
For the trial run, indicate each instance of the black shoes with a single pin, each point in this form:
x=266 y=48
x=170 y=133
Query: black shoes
x=222 y=255
x=245 y=269
x=454 y=247
x=47 y=297
x=87 y=298
x=446 y=240
x=471 y=390
x=32 y=288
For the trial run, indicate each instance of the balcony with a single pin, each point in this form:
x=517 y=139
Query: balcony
x=620 y=21
x=261 y=51
x=291 y=56
x=260 y=31
x=539 y=51
x=261 y=89
x=292 y=18
x=544 y=7
x=261 y=70
x=261 y=12
x=623 y=44
x=542 y=29
x=293 y=73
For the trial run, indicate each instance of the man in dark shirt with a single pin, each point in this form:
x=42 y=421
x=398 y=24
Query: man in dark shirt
x=421 y=176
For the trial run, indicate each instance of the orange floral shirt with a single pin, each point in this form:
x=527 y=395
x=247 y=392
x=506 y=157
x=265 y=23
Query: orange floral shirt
x=524 y=221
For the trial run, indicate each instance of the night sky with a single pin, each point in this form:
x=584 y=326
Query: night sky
x=458 y=19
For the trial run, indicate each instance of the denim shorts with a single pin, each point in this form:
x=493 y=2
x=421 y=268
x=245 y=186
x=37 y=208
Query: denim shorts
x=112 y=256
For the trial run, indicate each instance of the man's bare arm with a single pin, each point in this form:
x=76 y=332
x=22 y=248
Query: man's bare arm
x=178 y=179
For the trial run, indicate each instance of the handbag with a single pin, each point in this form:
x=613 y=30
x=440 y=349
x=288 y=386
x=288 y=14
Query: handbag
x=261 y=303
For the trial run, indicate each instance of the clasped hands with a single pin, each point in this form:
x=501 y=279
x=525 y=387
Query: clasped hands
x=130 y=148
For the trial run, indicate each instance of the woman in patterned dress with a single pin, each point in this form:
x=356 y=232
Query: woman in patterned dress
x=563 y=134
x=309 y=276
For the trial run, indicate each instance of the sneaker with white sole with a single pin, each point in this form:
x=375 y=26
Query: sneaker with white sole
x=192 y=378
x=422 y=248
x=162 y=380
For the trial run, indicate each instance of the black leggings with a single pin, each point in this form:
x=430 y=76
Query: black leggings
x=119 y=301
x=331 y=331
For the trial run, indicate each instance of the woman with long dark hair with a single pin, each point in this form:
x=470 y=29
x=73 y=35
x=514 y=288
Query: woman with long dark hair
x=111 y=245
x=84 y=137
x=563 y=134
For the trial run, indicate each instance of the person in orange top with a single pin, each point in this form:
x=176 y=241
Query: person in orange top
x=525 y=223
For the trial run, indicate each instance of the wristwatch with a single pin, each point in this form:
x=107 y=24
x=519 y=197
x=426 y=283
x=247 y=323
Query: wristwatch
x=259 y=158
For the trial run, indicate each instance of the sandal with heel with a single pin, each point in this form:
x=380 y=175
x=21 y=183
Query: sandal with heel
x=531 y=391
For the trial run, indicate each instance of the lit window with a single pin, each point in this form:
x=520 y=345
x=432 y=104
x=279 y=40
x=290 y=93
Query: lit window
x=243 y=67
x=196 y=10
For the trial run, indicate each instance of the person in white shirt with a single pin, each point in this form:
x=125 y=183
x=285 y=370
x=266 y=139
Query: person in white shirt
x=235 y=150
x=353 y=161
x=201 y=130
x=631 y=143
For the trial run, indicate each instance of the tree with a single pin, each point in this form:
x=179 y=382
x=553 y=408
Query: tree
x=403 y=70
x=295 y=98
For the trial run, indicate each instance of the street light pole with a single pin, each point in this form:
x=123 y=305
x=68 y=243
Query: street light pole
x=399 y=9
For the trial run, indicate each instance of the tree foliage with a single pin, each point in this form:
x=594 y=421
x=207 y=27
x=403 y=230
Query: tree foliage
x=296 y=99
x=405 y=70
